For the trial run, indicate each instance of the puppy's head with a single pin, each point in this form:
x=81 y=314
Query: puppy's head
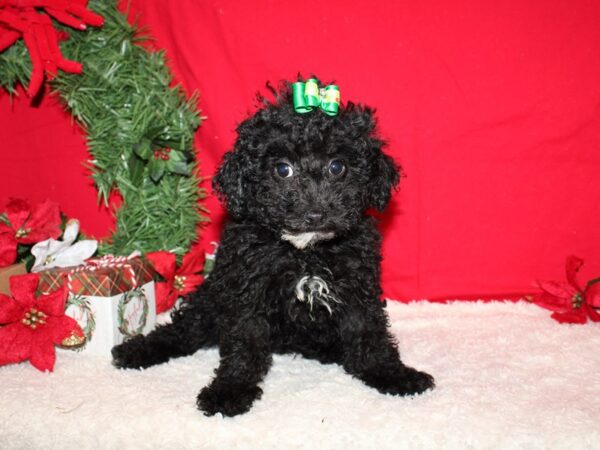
x=306 y=173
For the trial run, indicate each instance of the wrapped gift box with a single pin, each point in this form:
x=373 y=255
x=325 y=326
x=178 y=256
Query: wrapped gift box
x=112 y=299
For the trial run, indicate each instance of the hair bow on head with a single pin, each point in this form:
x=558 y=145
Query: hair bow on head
x=308 y=96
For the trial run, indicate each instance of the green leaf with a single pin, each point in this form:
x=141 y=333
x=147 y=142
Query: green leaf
x=170 y=143
x=177 y=156
x=178 y=167
x=156 y=168
x=136 y=170
x=143 y=149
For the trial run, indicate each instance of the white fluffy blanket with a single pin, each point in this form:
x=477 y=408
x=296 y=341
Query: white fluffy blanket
x=507 y=377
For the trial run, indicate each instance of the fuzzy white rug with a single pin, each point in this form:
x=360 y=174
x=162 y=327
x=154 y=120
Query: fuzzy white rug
x=507 y=377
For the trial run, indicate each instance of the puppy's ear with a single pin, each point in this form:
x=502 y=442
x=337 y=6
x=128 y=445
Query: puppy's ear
x=386 y=175
x=229 y=181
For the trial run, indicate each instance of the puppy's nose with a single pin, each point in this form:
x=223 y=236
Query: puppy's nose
x=313 y=217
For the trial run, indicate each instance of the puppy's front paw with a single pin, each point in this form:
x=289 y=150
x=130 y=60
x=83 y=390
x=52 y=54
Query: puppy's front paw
x=409 y=382
x=416 y=382
x=131 y=354
x=227 y=399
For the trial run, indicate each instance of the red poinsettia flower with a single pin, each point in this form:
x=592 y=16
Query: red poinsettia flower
x=30 y=225
x=26 y=225
x=570 y=302
x=178 y=281
x=31 y=326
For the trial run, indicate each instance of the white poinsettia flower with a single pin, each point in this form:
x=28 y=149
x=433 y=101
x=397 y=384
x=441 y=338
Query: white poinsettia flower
x=52 y=253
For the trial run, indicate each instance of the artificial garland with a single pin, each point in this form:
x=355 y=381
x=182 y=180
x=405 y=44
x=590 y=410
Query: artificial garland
x=139 y=129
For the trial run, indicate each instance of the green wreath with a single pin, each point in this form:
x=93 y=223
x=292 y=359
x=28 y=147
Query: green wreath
x=127 y=329
x=80 y=302
x=139 y=130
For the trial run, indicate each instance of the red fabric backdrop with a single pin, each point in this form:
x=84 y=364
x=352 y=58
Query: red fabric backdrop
x=492 y=108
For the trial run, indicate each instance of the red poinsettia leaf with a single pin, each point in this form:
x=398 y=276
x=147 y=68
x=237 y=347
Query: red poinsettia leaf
x=577 y=316
x=164 y=263
x=572 y=267
x=42 y=354
x=562 y=291
x=15 y=343
x=592 y=313
x=552 y=302
x=190 y=284
x=166 y=296
x=5 y=229
x=162 y=289
x=43 y=223
x=53 y=304
x=23 y=288
x=17 y=212
x=592 y=295
x=193 y=262
x=10 y=310
x=8 y=248
x=7 y=37
x=57 y=329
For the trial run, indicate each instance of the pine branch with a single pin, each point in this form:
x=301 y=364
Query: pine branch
x=123 y=97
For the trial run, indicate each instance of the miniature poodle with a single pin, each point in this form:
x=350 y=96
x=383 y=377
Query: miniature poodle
x=298 y=267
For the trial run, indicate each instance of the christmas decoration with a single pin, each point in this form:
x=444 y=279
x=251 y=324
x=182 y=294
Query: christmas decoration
x=79 y=308
x=111 y=298
x=179 y=281
x=570 y=302
x=22 y=224
x=104 y=276
x=162 y=157
x=127 y=325
x=209 y=262
x=30 y=224
x=52 y=253
x=139 y=129
x=32 y=326
x=24 y=19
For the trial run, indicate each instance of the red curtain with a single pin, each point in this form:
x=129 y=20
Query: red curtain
x=492 y=108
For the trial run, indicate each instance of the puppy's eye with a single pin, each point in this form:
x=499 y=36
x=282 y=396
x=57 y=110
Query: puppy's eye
x=336 y=167
x=284 y=170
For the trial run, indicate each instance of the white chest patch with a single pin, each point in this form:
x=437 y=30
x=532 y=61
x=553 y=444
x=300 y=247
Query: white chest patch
x=303 y=240
x=312 y=289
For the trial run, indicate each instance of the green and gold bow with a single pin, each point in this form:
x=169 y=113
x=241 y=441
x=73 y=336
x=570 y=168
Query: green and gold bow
x=308 y=96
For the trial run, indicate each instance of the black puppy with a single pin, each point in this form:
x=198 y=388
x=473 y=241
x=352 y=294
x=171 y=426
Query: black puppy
x=298 y=267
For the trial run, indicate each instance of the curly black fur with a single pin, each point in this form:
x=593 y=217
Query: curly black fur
x=251 y=305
